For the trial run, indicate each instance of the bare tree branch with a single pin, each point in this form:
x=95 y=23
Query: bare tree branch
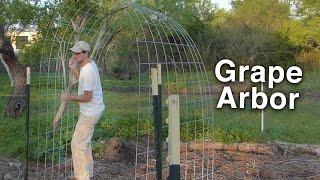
x=108 y=18
x=7 y=69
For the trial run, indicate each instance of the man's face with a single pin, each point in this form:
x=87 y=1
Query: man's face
x=79 y=57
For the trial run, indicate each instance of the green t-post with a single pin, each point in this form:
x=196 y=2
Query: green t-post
x=27 y=96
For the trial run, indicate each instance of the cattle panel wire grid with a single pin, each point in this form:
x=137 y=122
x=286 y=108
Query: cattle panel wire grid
x=148 y=39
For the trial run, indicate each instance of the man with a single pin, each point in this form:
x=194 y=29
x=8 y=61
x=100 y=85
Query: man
x=90 y=98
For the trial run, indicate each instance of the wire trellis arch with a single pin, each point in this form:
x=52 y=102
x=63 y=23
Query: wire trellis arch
x=152 y=38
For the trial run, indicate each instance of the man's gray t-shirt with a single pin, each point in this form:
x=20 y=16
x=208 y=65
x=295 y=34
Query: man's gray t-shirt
x=89 y=80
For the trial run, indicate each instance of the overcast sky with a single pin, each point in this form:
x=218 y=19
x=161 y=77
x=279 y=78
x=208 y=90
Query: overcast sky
x=223 y=3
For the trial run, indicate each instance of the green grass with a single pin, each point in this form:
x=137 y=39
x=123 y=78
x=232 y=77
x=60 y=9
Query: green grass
x=120 y=119
x=298 y=126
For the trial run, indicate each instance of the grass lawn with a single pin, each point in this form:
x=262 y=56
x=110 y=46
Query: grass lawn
x=297 y=126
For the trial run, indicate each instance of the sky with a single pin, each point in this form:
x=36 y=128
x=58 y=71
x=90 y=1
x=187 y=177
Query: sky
x=223 y=3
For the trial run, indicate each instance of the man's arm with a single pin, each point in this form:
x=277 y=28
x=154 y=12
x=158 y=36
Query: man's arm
x=86 y=97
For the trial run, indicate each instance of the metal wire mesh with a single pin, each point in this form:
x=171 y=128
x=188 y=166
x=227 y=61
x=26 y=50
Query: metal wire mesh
x=148 y=38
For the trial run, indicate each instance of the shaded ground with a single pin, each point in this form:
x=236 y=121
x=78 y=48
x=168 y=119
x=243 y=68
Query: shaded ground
x=227 y=165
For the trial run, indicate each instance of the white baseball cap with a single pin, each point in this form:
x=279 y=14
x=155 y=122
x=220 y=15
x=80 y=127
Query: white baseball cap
x=80 y=46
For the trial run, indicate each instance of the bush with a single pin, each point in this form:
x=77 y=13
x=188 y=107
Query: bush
x=309 y=59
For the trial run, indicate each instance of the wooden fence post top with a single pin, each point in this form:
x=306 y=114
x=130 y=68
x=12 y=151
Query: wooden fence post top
x=28 y=75
x=154 y=83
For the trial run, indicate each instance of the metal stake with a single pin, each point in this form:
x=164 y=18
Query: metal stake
x=26 y=166
x=157 y=121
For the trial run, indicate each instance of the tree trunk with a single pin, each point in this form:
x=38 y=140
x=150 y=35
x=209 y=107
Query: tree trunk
x=16 y=102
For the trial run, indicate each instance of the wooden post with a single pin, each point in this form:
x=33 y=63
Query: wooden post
x=154 y=82
x=174 y=137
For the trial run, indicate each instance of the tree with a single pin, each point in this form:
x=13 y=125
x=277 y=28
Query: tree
x=268 y=15
x=250 y=34
x=14 y=14
x=304 y=32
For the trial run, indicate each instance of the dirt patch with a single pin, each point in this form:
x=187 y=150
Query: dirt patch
x=243 y=166
x=120 y=164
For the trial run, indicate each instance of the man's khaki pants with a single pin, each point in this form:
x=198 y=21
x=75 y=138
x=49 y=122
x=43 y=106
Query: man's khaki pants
x=81 y=147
